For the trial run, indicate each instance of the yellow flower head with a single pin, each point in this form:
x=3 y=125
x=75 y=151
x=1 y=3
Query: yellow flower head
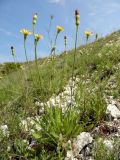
x=38 y=37
x=88 y=34
x=1 y=77
x=59 y=29
x=25 y=32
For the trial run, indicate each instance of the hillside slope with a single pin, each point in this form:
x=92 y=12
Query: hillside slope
x=27 y=97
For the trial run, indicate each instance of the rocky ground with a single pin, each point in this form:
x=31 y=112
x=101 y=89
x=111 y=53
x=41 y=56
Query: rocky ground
x=84 y=145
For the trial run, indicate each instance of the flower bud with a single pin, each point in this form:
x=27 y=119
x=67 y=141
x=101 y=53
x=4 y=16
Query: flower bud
x=51 y=16
x=12 y=50
x=65 y=40
x=34 y=18
x=77 y=17
x=96 y=36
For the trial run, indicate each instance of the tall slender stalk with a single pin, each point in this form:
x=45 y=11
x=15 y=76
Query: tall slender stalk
x=74 y=58
x=25 y=33
x=54 y=46
x=77 y=22
x=26 y=56
x=35 y=52
x=36 y=61
x=86 y=41
x=26 y=84
x=55 y=42
x=25 y=50
x=53 y=52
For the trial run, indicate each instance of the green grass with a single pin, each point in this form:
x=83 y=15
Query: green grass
x=18 y=90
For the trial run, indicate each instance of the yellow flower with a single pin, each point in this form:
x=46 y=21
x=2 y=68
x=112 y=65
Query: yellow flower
x=88 y=33
x=59 y=29
x=25 y=32
x=38 y=37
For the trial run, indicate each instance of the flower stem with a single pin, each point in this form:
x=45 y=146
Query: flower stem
x=73 y=67
x=36 y=62
x=54 y=46
x=25 y=50
x=65 y=49
x=36 y=58
x=26 y=56
x=15 y=62
x=55 y=42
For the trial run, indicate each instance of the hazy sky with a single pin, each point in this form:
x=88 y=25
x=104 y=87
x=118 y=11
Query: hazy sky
x=102 y=16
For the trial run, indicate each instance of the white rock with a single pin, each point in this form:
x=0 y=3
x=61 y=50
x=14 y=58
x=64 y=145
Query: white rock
x=52 y=102
x=91 y=158
x=4 y=130
x=108 y=144
x=38 y=127
x=48 y=104
x=42 y=104
x=30 y=121
x=113 y=102
x=118 y=105
x=37 y=118
x=32 y=131
x=77 y=79
x=24 y=125
x=37 y=103
x=8 y=148
x=82 y=140
x=113 y=110
x=69 y=154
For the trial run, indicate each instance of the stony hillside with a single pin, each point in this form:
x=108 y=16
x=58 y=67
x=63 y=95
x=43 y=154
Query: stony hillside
x=52 y=116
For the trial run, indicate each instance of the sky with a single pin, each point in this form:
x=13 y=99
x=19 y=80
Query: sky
x=99 y=16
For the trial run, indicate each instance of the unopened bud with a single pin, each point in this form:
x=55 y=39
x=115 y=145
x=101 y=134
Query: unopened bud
x=77 y=17
x=12 y=50
x=34 y=18
x=51 y=17
x=65 y=40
